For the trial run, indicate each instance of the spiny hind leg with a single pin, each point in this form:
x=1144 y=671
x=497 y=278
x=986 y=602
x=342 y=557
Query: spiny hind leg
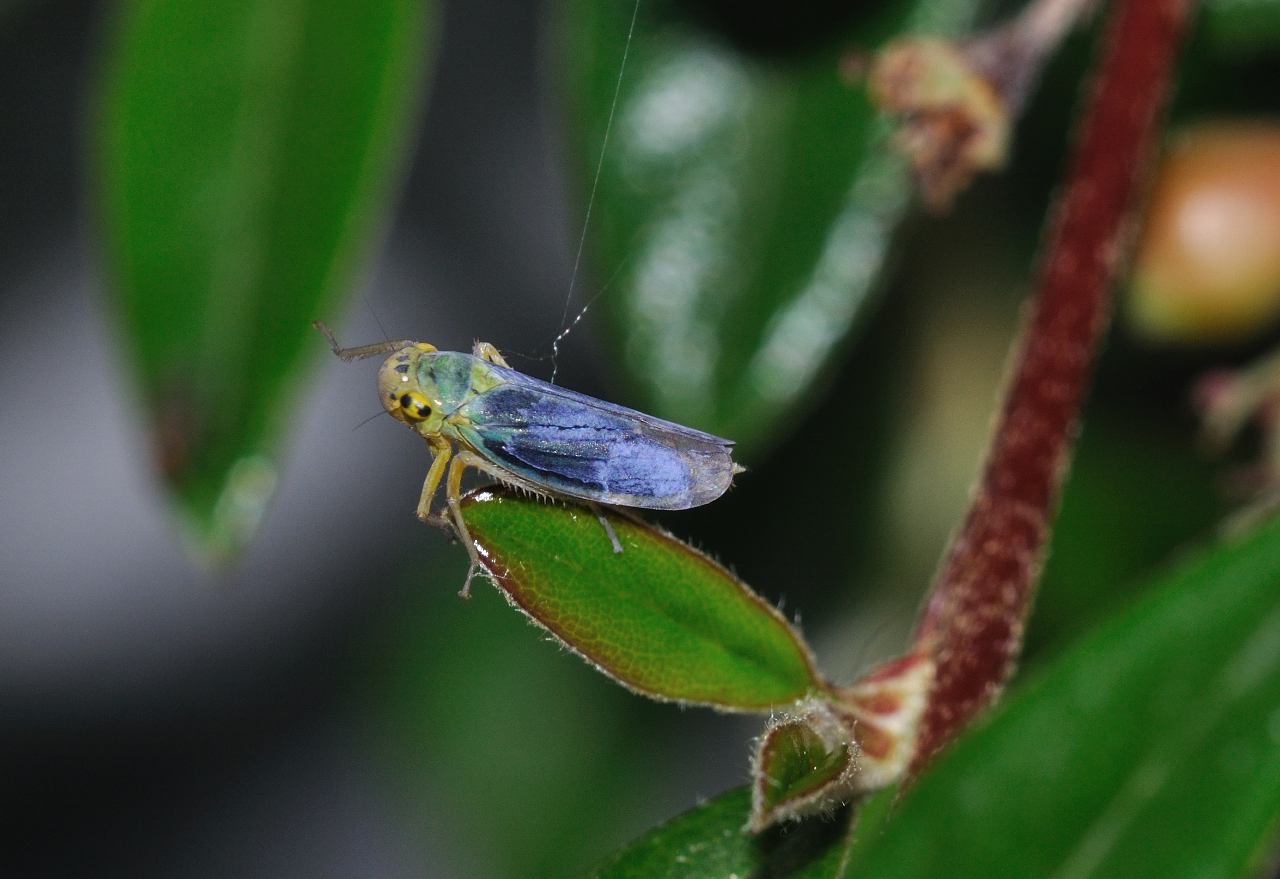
x=441 y=452
x=488 y=353
x=453 y=497
x=608 y=527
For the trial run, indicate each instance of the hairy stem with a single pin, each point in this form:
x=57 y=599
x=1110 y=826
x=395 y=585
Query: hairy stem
x=973 y=622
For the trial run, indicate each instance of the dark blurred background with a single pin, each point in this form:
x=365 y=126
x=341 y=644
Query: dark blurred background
x=329 y=707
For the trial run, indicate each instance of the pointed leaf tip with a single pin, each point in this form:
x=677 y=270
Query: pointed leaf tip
x=660 y=617
x=246 y=153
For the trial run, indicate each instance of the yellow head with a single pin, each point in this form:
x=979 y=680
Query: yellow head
x=399 y=389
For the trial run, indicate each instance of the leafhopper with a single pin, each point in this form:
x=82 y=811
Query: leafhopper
x=473 y=410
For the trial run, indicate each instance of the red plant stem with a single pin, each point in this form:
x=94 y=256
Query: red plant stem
x=973 y=622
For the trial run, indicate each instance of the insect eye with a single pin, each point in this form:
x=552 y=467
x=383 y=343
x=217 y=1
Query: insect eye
x=414 y=406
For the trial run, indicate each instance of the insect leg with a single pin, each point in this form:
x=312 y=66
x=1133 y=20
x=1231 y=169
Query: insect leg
x=441 y=451
x=487 y=352
x=608 y=527
x=453 y=494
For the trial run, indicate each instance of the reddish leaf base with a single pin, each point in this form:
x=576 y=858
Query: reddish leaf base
x=884 y=710
x=832 y=749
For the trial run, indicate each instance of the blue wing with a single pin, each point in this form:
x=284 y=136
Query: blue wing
x=585 y=448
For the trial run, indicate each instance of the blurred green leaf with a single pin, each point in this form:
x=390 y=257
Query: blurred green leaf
x=1109 y=536
x=452 y=680
x=247 y=152
x=745 y=206
x=1150 y=748
x=1241 y=24
x=659 y=617
x=709 y=843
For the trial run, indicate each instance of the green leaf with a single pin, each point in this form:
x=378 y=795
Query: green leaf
x=745 y=206
x=1150 y=748
x=804 y=765
x=659 y=617
x=709 y=843
x=1241 y=24
x=246 y=155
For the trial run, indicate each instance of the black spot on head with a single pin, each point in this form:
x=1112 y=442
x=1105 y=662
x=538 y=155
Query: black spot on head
x=403 y=369
x=424 y=411
x=406 y=400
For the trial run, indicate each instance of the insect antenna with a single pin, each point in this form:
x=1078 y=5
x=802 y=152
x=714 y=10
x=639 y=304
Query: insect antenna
x=365 y=421
x=364 y=294
x=591 y=200
x=362 y=351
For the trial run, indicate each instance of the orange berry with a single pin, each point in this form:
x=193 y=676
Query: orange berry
x=1208 y=263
